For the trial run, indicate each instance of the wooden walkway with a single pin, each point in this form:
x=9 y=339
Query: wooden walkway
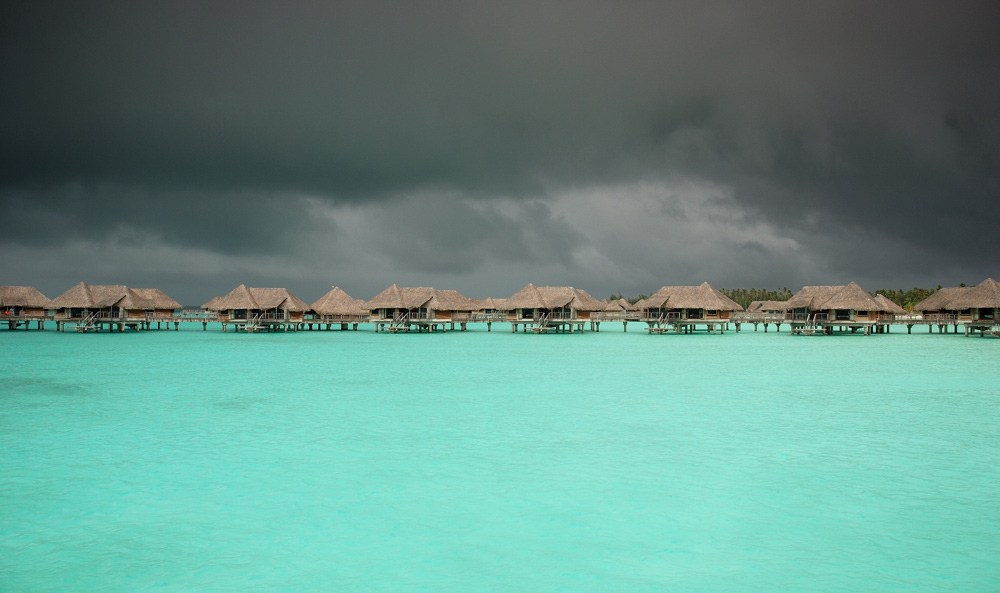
x=800 y=324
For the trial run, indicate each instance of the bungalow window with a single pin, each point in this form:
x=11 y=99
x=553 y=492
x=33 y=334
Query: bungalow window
x=695 y=313
x=843 y=314
x=966 y=312
x=986 y=313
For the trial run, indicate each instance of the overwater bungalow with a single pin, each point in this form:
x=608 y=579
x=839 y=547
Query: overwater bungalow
x=23 y=304
x=258 y=309
x=164 y=309
x=551 y=308
x=683 y=308
x=614 y=310
x=891 y=308
x=977 y=308
x=337 y=307
x=115 y=307
x=490 y=310
x=617 y=306
x=819 y=309
x=763 y=313
x=400 y=309
x=492 y=306
x=771 y=307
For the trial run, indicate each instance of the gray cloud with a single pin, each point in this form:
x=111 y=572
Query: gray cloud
x=866 y=136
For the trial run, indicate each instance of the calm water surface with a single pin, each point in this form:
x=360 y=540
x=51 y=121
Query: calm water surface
x=355 y=461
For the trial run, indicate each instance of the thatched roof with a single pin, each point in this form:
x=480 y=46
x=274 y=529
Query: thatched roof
x=158 y=298
x=941 y=299
x=132 y=299
x=985 y=295
x=890 y=306
x=757 y=306
x=821 y=298
x=23 y=296
x=617 y=305
x=451 y=300
x=76 y=297
x=491 y=304
x=417 y=297
x=553 y=297
x=261 y=299
x=853 y=297
x=703 y=296
x=810 y=297
x=338 y=302
x=85 y=296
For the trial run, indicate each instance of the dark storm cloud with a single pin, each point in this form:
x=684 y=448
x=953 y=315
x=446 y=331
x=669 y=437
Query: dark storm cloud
x=873 y=121
x=444 y=234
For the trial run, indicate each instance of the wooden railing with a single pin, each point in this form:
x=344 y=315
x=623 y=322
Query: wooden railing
x=359 y=318
x=755 y=317
x=616 y=316
x=478 y=316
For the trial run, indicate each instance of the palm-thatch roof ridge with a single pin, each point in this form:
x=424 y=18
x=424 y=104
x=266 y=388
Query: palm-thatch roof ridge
x=211 y=304
x=278 y=298
x=419 y=297
x=942 y=299
x=77 y=297
x=757 y=306
x=157 y=298
x=889 y=306
x=491 y=304
x=810 y=297
x=450 y=300
x=337 y=302
x=553 y=297
x=24 y=297
x=85 y=296
x=821 y=298
x=617 y=305
x=261 y=299
x=703 y=296
x=853 y=297
x=985 y=295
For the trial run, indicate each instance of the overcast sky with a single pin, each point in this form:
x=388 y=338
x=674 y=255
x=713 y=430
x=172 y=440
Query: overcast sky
x=479 y=146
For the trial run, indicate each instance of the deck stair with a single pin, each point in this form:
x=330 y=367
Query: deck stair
x=541 y=325
x=254 y=324
x=400 y=323
x=662 y=325
x=811 y=327
x=88 y=323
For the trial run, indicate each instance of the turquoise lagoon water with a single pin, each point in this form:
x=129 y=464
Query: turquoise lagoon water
x=356 y=461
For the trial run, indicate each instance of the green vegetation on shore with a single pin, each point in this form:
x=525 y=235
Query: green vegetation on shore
x=908 y=298
x=745 y=296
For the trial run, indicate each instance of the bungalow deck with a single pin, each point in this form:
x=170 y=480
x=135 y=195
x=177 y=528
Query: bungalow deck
x=95 y=321
x=549 y=323
x=15 y=322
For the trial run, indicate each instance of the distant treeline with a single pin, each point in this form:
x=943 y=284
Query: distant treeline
x=908 y=298
x=744 y=296
x=632 y=300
